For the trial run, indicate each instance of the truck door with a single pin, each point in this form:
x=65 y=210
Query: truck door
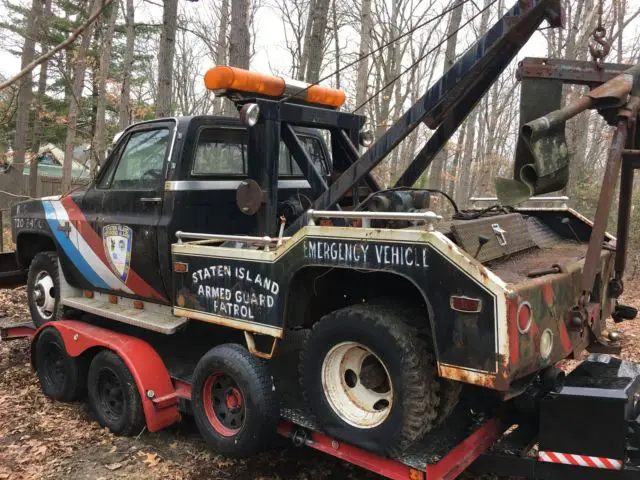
x=127 y=200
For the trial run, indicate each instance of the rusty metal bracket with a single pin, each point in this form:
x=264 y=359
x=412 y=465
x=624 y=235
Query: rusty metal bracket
x=251 y=346
x=575 y=72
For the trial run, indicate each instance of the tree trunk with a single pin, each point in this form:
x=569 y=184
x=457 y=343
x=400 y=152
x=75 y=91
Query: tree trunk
x=316 y=42
x=463 y=184
x=99 y=144
x=336 y=42
x=437 y=167
x=366 y=25
x=42 y=89
x=222 y=48
x=75 y=96
x=25 y=95
x=304 y=57
x=239 y=41
x=124 y=111
x=165 y=58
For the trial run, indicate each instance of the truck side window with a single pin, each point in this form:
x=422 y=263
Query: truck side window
x=224 y=152
x=142 y=161
x=220 y=152
x=314 y=150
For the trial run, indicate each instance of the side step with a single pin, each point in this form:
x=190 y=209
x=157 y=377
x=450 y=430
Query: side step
x=158 y=318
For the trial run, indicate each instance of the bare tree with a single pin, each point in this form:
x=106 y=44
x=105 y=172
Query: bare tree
x=165 y=57
x=463 y=178
x=318 y=18
x=366 y=24
x=437 y=167
x=42 y=89
x=108 y=26
x=124 y=110
x=25 y=96
x=75 y=98
x=239 y=40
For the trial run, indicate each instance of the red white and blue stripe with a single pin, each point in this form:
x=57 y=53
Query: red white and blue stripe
x=85 y=249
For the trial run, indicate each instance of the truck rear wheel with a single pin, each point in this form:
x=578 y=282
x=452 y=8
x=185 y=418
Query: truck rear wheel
x=61 y=377
x=114 y=396
x=369 y=379
x=43 y=288
x=234 y=401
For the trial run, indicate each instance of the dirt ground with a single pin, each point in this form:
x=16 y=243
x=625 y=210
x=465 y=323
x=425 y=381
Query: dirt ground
x=40 y=438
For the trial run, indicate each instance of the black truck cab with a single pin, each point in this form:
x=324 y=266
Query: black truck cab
x=162 y=176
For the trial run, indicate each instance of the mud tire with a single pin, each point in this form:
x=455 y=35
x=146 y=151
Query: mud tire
x=44 y=264
x=249 y=424
x=114 y=396
x=385 y=331
x=61 y=377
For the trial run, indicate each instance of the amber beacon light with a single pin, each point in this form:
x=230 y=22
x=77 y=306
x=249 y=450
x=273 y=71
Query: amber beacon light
x=224 y=79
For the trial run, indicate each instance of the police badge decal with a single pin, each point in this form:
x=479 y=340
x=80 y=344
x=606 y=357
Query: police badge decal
x=117 y=240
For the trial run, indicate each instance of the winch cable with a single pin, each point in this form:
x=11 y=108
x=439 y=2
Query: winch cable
x=415 y=64
x=376 y=50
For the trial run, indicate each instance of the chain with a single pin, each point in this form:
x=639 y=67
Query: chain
x=599 y=47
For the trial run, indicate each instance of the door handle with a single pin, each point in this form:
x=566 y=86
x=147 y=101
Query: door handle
x=151 y=199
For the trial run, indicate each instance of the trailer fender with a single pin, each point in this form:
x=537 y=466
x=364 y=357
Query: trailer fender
x=159 y=397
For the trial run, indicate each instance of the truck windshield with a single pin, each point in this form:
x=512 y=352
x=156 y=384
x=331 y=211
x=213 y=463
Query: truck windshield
x=224 y=152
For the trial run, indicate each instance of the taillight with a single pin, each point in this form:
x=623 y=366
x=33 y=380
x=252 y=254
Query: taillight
x=465 y=304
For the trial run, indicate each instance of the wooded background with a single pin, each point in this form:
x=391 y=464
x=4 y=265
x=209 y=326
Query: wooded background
x=146 y=58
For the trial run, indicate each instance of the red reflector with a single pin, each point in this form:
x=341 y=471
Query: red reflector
x=524 y=317
x=180 y=267
x=465 y=304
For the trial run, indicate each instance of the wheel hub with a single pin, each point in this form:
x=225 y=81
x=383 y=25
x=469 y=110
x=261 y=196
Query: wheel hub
x=111 y=394
x=357 y=385
x=224 y=404
x=44 y=295
x=54 y=365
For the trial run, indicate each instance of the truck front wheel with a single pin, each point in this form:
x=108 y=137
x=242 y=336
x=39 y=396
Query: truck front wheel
x=43 y=288
x=369 y=379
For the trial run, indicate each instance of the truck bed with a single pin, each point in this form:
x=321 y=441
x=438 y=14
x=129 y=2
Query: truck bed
x=515 y=268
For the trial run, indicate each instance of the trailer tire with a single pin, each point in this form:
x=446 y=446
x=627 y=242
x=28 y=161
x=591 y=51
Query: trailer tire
x=385 y=408
x=114 y=396
x=43 y=288
x=61 y=377
x=234 y=401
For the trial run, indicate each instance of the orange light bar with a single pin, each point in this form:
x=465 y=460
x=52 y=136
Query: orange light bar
x=222 y=78
x=231 y=78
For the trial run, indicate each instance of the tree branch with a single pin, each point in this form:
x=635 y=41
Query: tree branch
x=72 y=38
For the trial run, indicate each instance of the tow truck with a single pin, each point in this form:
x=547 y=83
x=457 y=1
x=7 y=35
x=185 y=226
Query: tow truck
x=256 y=269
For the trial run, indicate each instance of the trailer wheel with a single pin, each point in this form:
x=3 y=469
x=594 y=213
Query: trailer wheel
x=43 y=288
x=369 y=379
x=113 y=395
x=61 y=377
x=234 y=401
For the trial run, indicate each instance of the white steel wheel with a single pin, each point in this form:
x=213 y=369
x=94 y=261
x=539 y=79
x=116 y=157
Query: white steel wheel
x=357 y=385
x=44 y=294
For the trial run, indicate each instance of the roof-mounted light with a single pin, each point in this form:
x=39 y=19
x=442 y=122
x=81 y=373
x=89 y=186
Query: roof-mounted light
x=222 y=79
